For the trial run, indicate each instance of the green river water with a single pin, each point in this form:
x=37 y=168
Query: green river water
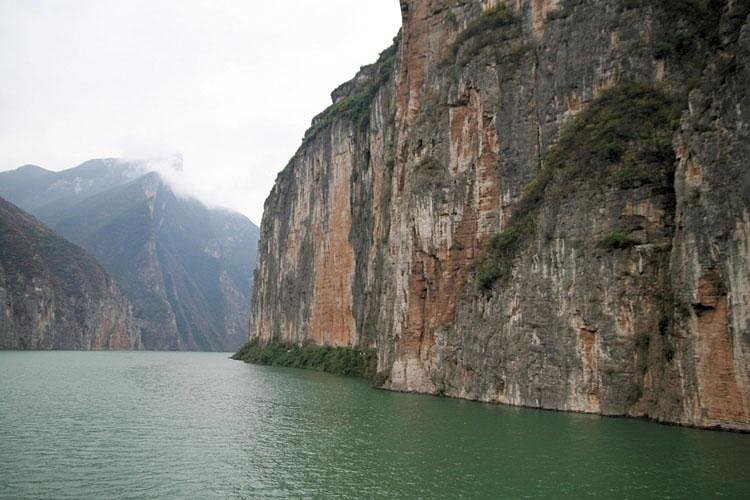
x=198 y=425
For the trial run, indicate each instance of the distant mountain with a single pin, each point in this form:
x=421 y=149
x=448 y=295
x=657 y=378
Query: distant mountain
x=186 y=268
x=42 y=191
x=53 y=294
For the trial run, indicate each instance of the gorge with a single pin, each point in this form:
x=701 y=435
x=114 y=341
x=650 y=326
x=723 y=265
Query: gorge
x=500 y=257
x=185 y=268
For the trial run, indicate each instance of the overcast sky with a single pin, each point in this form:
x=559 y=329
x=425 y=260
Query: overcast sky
x=232 y=85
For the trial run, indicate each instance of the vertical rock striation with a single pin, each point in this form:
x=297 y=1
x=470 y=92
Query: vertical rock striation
x=532 y=202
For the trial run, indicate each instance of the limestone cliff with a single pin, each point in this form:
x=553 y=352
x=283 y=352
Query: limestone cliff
x=532 y=202
x=53 y=295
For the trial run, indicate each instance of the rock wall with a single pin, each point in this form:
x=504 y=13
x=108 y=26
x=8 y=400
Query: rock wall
x=618 y=279
x=53 y=295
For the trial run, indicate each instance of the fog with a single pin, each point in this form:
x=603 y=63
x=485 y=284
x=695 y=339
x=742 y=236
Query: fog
x=232 y=86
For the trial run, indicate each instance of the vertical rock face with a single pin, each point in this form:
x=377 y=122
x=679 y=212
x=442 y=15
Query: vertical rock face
x=531 y=202
x=710 y=258
x=53 y=295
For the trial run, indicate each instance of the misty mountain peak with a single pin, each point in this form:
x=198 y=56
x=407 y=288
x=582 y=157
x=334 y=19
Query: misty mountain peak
x=168 y=163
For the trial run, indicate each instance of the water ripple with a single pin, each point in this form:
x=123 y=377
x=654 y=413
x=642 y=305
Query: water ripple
x=198 y=425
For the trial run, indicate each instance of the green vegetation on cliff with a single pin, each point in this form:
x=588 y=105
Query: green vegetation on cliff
x=690 y=26
x=692 y=35
x=495 y=30
x=627 y=128
x=29 y=247
x=502 y=248
x=623 y=140
x=490 y=30
x=618 y=240
x=356 y=105
x=337 y=360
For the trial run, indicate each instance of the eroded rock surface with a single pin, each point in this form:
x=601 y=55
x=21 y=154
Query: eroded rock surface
x=469 y=207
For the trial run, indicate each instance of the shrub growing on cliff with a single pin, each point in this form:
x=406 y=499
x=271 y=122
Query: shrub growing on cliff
x=632 y=122
x=499 y=257
x=488 y=273
x=622 y=140
x=492 y=29
x=691 y=27
x=504 y=240
x=692 y=34
x=451 y=20
x=356 y=106
x=618 y=240
x=337 y=360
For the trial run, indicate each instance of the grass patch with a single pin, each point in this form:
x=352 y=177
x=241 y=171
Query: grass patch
x=492 y=29
x=337 y=360
x=499 y=258
x=618 y=240
x=631 y=124
x=690 y=27
x=451 y=20
x=623 y=140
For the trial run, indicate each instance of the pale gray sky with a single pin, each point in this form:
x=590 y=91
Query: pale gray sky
x=232 y=85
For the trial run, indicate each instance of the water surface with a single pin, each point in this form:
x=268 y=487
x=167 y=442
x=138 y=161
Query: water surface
x=198 y=425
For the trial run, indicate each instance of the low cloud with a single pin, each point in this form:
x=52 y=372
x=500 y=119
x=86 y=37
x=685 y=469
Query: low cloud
x=230 y=85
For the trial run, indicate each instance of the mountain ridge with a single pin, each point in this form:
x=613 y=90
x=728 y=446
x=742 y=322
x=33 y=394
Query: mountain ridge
x=186 y=268
x=54 y=295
